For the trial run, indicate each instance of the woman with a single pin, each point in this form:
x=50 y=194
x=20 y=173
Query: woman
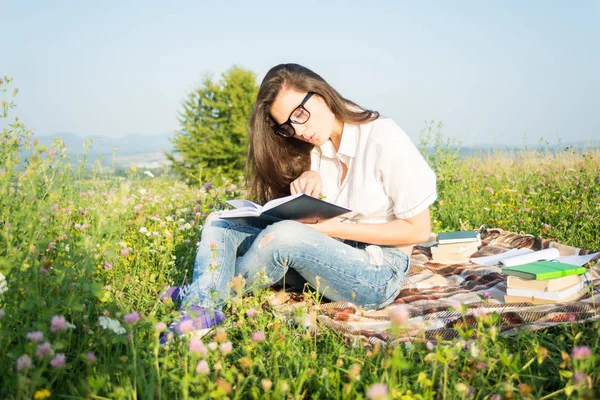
x=305 y=137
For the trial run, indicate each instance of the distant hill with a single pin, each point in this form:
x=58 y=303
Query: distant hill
x=142 y=151
x=147 y=151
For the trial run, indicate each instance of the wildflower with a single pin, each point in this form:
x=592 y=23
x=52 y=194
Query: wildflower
x=108 y=266
x=59 y=361
x=23 y=362
x=487 y=295
x=41 y=394
x=149 y=173
x=187 y=226
x=43 y=350
x=58 y=323
x=186 y=326
x=2 y=313
x=213 y=345
x=221 y=335
x=125 y=252
x=354 y=372
x=480 y=312
x=258 y=336
x=399 y=314
x=91 y=357
x=430 y=346
x=226 y=347
x=131 y=318
x=245 y=362
x=251 y=313
x=35 y=336
x=202 y=367
x=266 y=384
x=111 y=324
x=143 y=230
x=580 y=378
x=524 y=389
x=3 y=284
x=51 y=246
x=581 y=352
x=196 y=346
x=377 y=391
x=160 y=326
x=207 y=186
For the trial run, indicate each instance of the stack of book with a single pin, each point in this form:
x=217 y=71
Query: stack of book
x=544 y=282
x=455 y=247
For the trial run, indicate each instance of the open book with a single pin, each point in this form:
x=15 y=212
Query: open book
x=297 y=206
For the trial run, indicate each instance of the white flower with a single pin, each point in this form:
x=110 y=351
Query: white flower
x=3 y=284
x=143 y=191
x=111 y=324
x=169 y=218
x=70 y=325
x=150 y=174
x=143 y=230
x=187 y=226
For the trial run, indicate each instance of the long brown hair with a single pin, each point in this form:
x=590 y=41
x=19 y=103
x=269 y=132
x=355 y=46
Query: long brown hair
x=274 y=161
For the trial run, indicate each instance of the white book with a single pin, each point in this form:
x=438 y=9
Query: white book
x=514 y=257
x=558 y=295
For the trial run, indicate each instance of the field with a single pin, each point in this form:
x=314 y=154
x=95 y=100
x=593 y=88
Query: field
x=84 y=254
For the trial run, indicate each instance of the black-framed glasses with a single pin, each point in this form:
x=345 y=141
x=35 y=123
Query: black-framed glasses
x=300 y=115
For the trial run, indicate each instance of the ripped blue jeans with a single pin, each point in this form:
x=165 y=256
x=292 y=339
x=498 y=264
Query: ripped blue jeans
x=342 y=270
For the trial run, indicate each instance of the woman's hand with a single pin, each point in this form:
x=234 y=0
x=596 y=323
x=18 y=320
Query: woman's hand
x=309 y=183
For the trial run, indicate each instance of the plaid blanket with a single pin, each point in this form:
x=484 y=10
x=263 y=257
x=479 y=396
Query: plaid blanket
x=431 y=292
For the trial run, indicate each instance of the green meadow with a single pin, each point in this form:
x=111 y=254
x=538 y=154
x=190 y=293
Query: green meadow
x=84 y=254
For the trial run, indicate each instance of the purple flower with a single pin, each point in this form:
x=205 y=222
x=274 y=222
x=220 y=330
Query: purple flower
x=202 y=367
x=125 y=252
x=487 y=295
x=43 y=350
x=258 y=336
x=35 y=336
x=377 y=391
x=107 y=266
x=23 y=362
x=131 y=318
x=51 y=245
x=59 y=361
x=2 y=313
x=581 y=352
x=207 y=186
x=251 y=313
x=226 y=347
x=399 y=314
x=91 y=356
x=58 y=323
x=160 y=326
x=196 y=346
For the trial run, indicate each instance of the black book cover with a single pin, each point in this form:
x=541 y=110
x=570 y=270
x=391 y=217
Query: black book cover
x=302 y=207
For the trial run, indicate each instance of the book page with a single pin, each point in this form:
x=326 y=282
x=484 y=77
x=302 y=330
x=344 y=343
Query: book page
x=275 y=202
x=240 y=212
x=494 y=259
x=247 y=204
x=576 y=260
x=546 y=254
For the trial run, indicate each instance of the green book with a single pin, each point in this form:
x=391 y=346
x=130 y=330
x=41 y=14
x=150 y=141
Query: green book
x=540 y=270
x=458 y=237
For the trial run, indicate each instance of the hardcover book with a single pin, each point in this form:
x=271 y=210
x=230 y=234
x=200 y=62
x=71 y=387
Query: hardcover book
x=543 y=270
x=294 y=207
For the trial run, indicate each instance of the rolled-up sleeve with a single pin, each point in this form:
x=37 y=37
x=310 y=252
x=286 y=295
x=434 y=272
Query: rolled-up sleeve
x=406 y=177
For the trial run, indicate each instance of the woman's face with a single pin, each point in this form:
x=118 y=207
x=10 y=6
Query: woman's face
x=321 y=123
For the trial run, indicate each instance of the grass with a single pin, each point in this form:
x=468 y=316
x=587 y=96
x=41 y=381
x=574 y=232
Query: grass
x=85 y=246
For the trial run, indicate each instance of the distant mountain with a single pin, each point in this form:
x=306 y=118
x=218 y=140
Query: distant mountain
x=126 y=145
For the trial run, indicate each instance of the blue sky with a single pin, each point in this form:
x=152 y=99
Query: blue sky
x=502 y=72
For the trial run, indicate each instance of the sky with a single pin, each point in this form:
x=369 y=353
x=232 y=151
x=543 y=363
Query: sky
x=493 y=72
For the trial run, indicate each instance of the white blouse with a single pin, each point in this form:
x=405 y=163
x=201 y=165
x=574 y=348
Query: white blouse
x=387 y=176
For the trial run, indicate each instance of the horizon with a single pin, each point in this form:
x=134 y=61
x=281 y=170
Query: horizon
x=494 y=74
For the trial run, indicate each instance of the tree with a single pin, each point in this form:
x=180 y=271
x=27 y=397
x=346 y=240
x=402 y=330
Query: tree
x=213 y=138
